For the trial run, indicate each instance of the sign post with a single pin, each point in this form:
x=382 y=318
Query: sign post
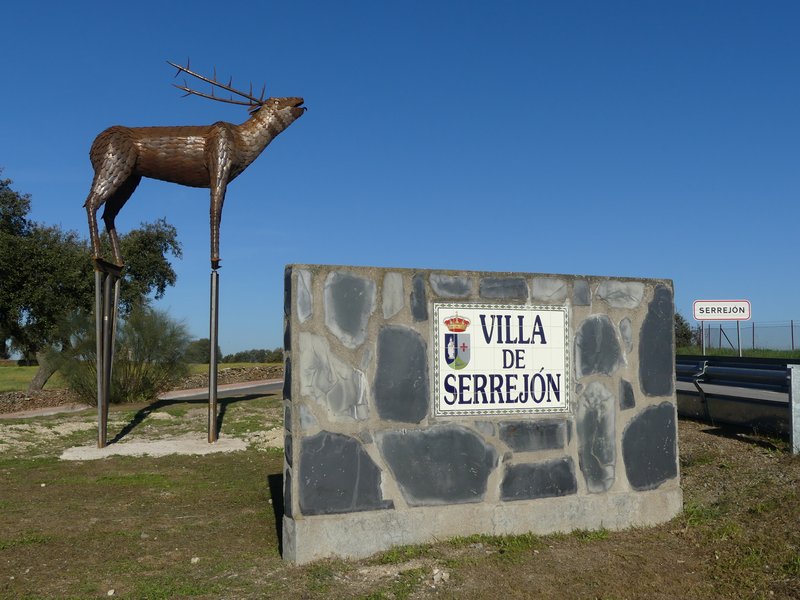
x=722 y=310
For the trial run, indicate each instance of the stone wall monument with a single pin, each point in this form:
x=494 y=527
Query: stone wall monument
x=426 y=404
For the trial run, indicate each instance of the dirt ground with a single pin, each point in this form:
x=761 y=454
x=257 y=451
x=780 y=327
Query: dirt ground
x=208 y=526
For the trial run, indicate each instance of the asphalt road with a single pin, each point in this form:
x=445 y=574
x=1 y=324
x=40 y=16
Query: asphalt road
x=232 y=390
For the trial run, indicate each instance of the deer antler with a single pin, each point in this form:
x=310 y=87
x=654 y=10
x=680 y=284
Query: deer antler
x=252 y=100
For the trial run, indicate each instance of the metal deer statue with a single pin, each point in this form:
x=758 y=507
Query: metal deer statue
x=205 y=156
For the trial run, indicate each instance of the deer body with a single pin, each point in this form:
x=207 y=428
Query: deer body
x=209 y=156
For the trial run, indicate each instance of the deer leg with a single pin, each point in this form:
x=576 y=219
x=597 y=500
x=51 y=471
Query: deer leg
x=113 y=205
x=220 y=166
x=113 y=157
x=93 y=202
x=217 y=200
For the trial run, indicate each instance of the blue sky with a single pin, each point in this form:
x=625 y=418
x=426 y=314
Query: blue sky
x=630 y=139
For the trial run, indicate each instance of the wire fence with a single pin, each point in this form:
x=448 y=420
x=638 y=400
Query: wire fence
x=783 y=335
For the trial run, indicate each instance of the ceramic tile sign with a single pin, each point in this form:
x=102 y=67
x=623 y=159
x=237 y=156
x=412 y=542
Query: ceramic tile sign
x=495 y=359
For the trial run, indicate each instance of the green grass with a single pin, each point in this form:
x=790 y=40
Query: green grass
x=402 y=554
x=16 y=379
x=24 y=540
x=240 y=426
x=508 y=546
x=205 y=527
x=403 y=586
x=148 y=480
x=166 y=588
x=585 y=535
x=696 y=514
x=746 y=352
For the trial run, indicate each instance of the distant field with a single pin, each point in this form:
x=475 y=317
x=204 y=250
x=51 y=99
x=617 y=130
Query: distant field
x=14 y=379
x=751 y=353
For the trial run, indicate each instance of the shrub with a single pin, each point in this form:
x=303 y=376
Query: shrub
x=684 y=336
x=199 y=352
x=148 y=357
x=256 y=355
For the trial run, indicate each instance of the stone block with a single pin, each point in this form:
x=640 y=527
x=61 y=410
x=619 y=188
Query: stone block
x=401 y=387
x=446 y=464
x=530 y=436
x=287 y=492
x=581 y=293
x=336 y=475
x=506 y=288
x=597 y=350
x=393 y=297
x=548 y=479
x=335 y=385
x=287 y=448
x=597 y=437
x=450 y=286
x=308 y=421
x=549 y=289
x=650 y=447
x=627 y=400
x=419 y=298
x=621 y=294
x=305 y=298
x=287 y=377
x=349 y=302
x=626 y=331
x=656 y=345
x=485 y=428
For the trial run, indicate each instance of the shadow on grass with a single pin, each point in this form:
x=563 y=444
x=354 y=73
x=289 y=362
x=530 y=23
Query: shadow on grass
x=748 y=435
x=222 y=404
x=275 y=484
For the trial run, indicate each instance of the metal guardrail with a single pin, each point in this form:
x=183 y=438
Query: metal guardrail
x=762 y=394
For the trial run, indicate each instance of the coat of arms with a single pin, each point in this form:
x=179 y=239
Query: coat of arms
x=456 y=342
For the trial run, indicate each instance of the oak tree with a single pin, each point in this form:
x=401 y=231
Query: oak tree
x=46 y=276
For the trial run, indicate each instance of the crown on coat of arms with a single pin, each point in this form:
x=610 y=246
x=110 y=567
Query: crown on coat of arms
x=456 y=324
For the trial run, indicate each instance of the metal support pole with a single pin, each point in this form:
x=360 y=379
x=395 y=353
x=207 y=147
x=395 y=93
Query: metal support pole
x=212 y=363
x=739 y=337
x=791 y=323
x=794 y=406
x=108 y=338
x=106 y=301
x=703 y=336
x=98 y=318
x=117 y=282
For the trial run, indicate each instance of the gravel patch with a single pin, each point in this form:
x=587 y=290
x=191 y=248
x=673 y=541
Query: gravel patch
x=186 y=444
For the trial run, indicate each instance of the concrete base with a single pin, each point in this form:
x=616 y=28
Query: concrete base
x=359 y=535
